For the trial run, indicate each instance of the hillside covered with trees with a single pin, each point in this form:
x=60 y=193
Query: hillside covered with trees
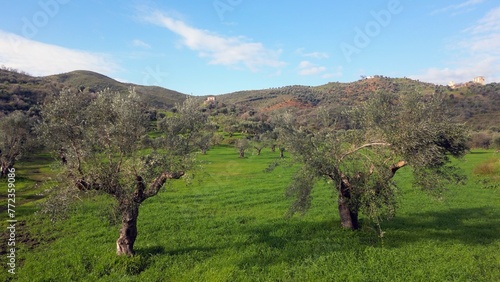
x=20 y=91
x=477 y=105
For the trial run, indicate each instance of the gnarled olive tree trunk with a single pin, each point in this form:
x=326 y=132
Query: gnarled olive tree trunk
x=128 y=231
x=129 y=206
x=348 y=213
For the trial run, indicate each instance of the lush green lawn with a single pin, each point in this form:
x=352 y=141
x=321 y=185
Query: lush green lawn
x=227 y=224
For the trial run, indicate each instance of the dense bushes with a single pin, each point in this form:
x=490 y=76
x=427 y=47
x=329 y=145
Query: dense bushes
x=485 y=140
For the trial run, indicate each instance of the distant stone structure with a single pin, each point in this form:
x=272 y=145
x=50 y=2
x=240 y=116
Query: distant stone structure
x=210 y=99
x=478 y=80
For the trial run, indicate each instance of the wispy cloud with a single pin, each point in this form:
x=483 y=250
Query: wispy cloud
x=314 y=55
x=41 y=59
x=479 y=50
x=308 y=68
x=140 y=43
x=489 y=23
x=220 y=50
x=338 y=72
x=458 y=8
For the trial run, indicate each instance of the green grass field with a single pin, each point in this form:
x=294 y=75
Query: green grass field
x=227 y=224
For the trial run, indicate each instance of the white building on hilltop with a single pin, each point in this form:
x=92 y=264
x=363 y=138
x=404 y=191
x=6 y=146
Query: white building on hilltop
x=479 y=79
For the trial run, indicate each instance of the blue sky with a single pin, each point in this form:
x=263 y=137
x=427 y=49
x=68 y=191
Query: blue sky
x=219 y=46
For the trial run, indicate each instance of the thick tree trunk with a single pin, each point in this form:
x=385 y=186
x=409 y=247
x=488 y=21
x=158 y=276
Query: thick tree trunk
x=130 y=210
x=348 y=218
x=282 y=152
x=348 y=214
x=347 y=211
x=129 y=205
x=128 y=231
x=242 y=153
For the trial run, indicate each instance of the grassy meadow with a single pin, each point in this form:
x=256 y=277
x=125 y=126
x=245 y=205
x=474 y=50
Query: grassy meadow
x=225 y=222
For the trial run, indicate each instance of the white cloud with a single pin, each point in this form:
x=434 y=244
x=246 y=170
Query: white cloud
x=489 y=23
x=227 y=51
x=339 y=71
x=444 y=75
x=458 y=8
x=41 y=59
x=305 y=64
x=140 y=43
x=308 y=68
x=315 y=55
x=483 y=39
x=479 y=53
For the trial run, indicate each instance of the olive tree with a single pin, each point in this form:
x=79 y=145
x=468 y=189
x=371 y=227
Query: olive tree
x=102 y=136
x=259 y=142
x=204 y=137
x=242 y=145
x=388 y=132
x=16 y=138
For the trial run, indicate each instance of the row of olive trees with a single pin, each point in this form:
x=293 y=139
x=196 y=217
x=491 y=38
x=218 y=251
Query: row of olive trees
x=103 y=143
x=259 y=142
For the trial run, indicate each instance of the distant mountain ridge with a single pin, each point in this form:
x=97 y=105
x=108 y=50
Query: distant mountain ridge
x=19 y=91
x=478 y=105
x=154 y=95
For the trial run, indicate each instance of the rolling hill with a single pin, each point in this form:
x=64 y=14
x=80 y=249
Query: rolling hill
x=157 y=97
x=478 y=105
x=19 y=91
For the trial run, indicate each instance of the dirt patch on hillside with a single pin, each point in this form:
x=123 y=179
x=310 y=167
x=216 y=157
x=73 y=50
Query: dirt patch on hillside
x=292 y=103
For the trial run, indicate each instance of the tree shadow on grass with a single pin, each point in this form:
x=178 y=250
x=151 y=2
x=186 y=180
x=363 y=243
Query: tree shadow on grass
x=480 y=152
x=289 y=242
x=183 y=251
x=471 y=226
x=160 y=250
x=152 y=250
x=143 y=258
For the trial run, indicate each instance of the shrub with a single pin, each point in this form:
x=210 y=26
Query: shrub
x=496 y=142
x=490 y=168
x=481 y=140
